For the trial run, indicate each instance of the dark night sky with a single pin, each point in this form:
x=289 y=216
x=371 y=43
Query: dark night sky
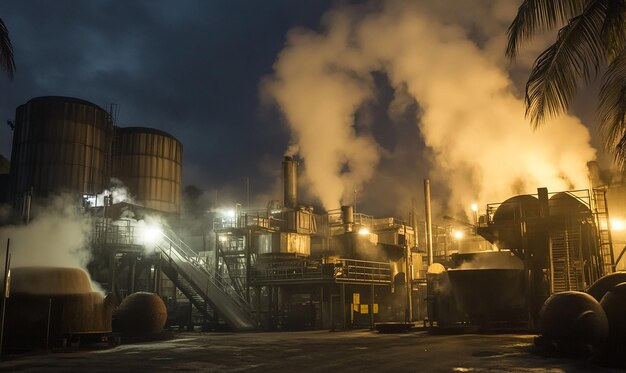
x=191 y=68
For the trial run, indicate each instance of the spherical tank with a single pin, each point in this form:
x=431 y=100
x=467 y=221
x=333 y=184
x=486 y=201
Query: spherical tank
x=149 y=163
x=60 y=144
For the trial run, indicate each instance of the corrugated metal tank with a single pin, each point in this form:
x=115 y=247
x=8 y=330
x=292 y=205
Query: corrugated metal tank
x=149 y=163
x=60 y=144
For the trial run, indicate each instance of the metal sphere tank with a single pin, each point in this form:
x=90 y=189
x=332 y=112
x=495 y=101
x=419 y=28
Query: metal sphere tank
x=140 y=314
x=614 y=305
x=604 y=284
x=60 y=144
x=149 y=163
x=573 y=317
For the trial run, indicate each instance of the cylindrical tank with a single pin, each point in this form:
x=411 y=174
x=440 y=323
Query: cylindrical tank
x=290 y=183
x=54 y=302
x=60 y=144
x=149 y=163
x=506 y=228
x=490 y=295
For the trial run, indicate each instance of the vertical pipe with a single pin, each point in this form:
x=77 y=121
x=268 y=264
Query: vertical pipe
x=5 y=286
x=408 y=279
x=372 y=307
x=159 y=275
x=248 y=250
x=48 y=324
x=290 y=183
x=330 y=303
x=429 y=225
x=133 y=266
x=343 y=306
x=322 y=307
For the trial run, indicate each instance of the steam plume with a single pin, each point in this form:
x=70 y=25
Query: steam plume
x=469 y=116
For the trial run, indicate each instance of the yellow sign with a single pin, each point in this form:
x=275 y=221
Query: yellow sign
x=356 y=298
x=364 y=309
x=375 y=307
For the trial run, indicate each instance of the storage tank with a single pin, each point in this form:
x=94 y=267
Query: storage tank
x=149 y=163
x=60 y=144
x=53 y=303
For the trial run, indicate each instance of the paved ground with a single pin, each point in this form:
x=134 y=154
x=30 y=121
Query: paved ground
x=316 y=351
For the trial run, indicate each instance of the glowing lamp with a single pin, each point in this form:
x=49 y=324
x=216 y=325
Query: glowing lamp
x=474 y=207
x=457 y=234
x=364 y=231
x=150 y=234
x=618 y=225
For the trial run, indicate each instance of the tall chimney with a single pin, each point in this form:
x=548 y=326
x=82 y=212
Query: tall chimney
x=347 y=216
x=290 y=183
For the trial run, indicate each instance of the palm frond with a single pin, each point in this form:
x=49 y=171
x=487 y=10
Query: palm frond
x=611 y=111
x=555 y=76
x=6 y=51
x=535 y=16
x=613 y=31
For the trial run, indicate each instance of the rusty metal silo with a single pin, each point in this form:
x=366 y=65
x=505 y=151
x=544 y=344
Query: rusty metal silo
x=60 y=144
x=149 y=163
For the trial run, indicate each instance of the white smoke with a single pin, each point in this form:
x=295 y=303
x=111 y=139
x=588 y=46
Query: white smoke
x=57 y=236
x=470 y=116
x=117 y=193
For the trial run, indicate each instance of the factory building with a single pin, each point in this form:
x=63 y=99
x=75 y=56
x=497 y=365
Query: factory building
x=288 y=266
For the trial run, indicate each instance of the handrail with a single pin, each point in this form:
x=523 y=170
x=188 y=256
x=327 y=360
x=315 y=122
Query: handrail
x=186 y=253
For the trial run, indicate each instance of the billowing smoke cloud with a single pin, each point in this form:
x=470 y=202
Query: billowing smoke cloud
x=469 y=113
x=57 y=237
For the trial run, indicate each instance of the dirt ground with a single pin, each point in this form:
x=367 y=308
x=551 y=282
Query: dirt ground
x=315 y=351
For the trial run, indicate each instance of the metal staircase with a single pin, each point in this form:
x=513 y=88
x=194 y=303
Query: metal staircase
x=605 y=243
x=185 y=287
x=203 y=288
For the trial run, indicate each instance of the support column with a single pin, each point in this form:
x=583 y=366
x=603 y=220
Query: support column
x=133 y=266
x=332 y=315
x=343 y=306
x=372 y=307
x=322 y=307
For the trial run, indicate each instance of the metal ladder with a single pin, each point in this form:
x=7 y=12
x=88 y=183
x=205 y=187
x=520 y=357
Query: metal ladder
x=605 y=242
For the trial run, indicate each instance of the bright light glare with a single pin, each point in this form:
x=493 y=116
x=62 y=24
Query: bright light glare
x=229 y=213
x=150 y=234
x=474 y=207
x=223 y=239
x=364 y=231
x=618 y=225
x=457 y=234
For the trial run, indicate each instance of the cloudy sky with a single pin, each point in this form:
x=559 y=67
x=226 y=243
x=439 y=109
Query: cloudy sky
x=219 y=76
x=190 y=68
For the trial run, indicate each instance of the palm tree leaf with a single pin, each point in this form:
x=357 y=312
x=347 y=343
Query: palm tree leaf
x=613 y=33
x=612 y=108
x=535 y=16
x=577 y=52
x=6 y=51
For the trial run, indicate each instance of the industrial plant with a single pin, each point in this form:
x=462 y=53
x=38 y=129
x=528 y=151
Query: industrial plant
x=287 y=266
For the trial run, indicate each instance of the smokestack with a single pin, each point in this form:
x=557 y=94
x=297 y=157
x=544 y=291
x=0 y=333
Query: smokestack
x=544 y=205
x=290 y=183
x=347 y=216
